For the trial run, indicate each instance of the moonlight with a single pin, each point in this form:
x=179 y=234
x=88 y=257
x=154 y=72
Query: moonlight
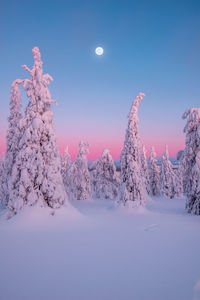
x=99 y=50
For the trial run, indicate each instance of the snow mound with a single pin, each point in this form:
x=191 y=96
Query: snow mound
x=38 y=217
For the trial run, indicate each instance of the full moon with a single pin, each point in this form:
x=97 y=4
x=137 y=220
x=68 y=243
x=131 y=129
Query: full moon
x=99 y=50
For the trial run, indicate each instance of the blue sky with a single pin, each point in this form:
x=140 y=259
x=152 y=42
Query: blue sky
x=149 y=46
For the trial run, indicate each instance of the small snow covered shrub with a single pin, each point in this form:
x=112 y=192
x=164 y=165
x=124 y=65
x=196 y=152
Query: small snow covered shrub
x=131 y=184
x=105 y=177
x=167 y=177
x=79 y=176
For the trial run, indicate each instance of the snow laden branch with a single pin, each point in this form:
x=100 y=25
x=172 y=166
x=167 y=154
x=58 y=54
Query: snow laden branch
x=134 y=109
x=37 y=74
x=27 y=69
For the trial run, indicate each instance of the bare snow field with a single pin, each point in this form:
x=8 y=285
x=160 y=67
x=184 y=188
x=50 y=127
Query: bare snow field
x=101 y=252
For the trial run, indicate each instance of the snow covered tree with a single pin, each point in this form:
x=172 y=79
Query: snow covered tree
x=66 y=164
x=154 y=174
x=179 y=155
x=79 y=175
x=131 y=184
x=1 y=166
x=107 y=181
x=36 y=173
x=2 y=205
x=93 y=174
x=14 y=133
x=191 y=160
x=145 y=171
x=167 y=176
x=179 y=181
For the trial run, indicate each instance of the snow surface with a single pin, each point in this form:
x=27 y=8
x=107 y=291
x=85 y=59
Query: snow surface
x=101 y=252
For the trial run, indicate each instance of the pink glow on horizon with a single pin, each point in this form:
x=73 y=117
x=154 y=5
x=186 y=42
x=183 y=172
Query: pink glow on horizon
x=115 y=146
x=97 y=145
x=174 y=142
x=3 y=144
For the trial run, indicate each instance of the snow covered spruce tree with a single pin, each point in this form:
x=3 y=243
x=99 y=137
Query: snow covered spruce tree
x=131 y=184
x=107 y=181
x=36 y=174
x=167 y=177
x=66 y=161
x=179 y=181
x=154 y=174
x=191 y=160
x=14 y=133
x=144 y=169
x=66 y=164
x=93 y=174
x=2 y=205
x=79 y=175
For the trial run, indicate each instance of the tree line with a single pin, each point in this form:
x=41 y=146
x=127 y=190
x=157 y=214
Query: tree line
x=33 y=171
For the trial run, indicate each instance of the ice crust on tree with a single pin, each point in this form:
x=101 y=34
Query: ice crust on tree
x=154 y=174
x=132 y=190
x=104 y=177
x=79 y=175
x=36 y=173
x=167 y=177
x=191 y=160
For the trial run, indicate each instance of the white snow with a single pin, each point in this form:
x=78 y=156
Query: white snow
x=101 y=252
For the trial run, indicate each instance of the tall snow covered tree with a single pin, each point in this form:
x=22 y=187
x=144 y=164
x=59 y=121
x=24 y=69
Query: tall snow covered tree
x=131 y=184
x=167 y=177
x=14 y=133
x=191 y=160
x=107 y=181
x=66 y=164
x=144 y=169
x=79 y=175
x=154 y=174
x=36 y=174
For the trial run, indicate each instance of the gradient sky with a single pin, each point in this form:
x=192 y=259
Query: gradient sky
x=149 y=46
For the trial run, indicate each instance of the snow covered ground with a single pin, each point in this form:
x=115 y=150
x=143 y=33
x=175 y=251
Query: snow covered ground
x=101 y=253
